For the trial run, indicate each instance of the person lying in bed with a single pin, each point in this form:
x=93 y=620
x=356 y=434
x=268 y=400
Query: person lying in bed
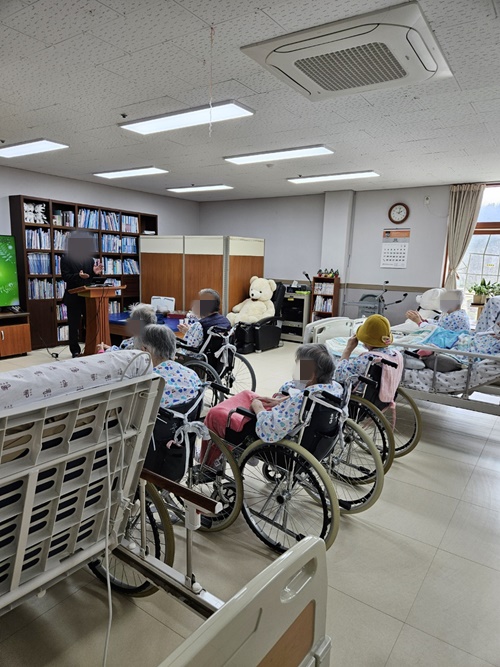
x=181 y=383
x=454 y=318
x=375 y=335
x=278 y=416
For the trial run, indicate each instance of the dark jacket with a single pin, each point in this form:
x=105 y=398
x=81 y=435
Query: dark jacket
x=70 y=270
x=214 y=320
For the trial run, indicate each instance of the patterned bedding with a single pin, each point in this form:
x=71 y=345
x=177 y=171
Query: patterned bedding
x=483 y=372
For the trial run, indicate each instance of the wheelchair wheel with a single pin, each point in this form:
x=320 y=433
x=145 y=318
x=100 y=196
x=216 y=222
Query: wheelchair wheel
x=408 y=424
x=240 y=377
x=355 y=468
x=217 y=475
x=206 y=374
x=280 y=510
x=376 y=424
x=160 y=542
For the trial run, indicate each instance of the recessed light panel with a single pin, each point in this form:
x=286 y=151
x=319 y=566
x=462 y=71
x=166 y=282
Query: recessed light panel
x=31 y=148
x=201 y=188
x=286 y=154
x=127 y=173
x=333 y=177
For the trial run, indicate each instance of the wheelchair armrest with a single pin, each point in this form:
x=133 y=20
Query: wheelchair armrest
x=336 y=401
x=388 y=363
x=246 y=413
x=220 y=387
x=367 y=380
x=184 y=346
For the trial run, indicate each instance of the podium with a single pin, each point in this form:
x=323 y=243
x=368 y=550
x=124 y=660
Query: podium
x=97 y=318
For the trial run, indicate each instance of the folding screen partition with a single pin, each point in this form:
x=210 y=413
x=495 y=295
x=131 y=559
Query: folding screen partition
x=180 y=266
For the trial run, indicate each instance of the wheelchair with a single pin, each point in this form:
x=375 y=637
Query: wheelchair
x=396 y=430
x=217 y=361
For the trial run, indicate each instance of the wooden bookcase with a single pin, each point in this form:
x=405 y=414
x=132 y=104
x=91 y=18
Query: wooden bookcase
x=117 y=234
x=327 y=305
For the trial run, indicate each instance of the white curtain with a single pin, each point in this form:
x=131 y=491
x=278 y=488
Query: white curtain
x=465 y=202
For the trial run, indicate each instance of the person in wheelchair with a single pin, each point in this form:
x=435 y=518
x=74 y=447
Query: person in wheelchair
x=276 y=417
x=207 y=311
x=375 y=335
x=181 y=395
x=141 y=314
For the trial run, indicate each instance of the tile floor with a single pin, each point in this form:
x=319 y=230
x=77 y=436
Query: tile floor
x=413 y=581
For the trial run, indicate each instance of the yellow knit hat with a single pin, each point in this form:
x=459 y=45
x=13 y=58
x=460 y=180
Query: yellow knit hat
x=375 y=331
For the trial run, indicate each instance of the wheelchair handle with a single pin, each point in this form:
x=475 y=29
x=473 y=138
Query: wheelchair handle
x=245 y=413
x=220 y=387
x=367 y=380
x=388 y=363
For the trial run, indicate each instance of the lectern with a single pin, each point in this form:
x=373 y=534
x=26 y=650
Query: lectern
x=97 y=319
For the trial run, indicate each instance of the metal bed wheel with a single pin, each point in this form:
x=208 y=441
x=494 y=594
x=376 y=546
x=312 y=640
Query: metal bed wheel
x=160 y=542
x=283 y=485
x=355 y=468
x=378 y=427
x=408 y=424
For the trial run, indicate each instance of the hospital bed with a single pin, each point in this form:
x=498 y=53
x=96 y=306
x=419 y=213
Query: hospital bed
x=73 y=438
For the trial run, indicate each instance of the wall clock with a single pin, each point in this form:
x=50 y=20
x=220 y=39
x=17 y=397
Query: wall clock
x=398 y=213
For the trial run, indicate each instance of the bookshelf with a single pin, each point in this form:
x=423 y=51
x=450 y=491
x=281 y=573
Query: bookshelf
x=325 y=297
x=41 y=230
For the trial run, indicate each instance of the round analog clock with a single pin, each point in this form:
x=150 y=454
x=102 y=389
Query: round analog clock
x=398 y=213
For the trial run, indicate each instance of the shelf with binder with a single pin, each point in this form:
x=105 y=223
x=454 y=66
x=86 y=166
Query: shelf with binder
x=325 y=297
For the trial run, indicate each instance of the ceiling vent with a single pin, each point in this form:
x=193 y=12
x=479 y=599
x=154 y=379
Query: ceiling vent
x=380 y=50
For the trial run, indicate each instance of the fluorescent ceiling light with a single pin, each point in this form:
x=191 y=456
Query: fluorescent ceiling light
x=334 y=177
x=30 y=148
x=126 y=173
x=199 y=116
x=286 y=154
x=201 y=188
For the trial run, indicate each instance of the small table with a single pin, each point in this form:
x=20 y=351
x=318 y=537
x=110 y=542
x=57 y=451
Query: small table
x=117 y=323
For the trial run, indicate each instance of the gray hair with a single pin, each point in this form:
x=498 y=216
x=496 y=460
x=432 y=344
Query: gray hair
x=159 y=341
x=144 y=312
x=319 y=355
x=215 y=297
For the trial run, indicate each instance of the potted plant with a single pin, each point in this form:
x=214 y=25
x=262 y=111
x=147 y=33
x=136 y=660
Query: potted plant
x=480 y=292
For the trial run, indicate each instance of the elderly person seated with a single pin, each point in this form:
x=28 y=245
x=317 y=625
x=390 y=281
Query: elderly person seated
x=278 y=416
x=141 y=314
x=182 y=385
x=454 y=318
x=375 y=335
x=207 y=313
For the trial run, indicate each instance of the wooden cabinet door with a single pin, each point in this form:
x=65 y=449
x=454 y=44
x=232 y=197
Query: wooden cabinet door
x=15 y=339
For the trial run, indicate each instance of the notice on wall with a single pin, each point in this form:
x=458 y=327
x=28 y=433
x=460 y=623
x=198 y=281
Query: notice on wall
x=395 y=244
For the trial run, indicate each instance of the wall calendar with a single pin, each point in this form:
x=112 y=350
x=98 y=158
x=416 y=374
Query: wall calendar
x=395 y=244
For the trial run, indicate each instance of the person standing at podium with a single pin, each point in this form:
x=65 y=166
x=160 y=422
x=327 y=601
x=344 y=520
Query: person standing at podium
x=78 y=267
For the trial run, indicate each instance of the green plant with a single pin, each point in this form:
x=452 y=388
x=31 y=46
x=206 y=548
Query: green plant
x=483 y=288
x=495 y=289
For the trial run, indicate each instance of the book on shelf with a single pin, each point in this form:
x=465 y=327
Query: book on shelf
x=88 y=218
x=40 y=288
x=57 y=265
x=130 y=224
x=114 y=307
x=39 y=264
x=323 y=305
x=130 y=266
x=63 y=218
x=325 y=289
x=110 y=243
x=112 y=267
x=62 y=332
x=60 y=240
x=129 y=245
x=37 y=239
x=60 y=289
x=61 y=312
x=110 y=222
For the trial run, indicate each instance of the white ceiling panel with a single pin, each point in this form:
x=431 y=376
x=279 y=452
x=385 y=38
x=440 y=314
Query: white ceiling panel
x=71 y=69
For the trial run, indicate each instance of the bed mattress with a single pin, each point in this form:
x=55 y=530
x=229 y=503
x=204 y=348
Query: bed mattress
x=483 y=372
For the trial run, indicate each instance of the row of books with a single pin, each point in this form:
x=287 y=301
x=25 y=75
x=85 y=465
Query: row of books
x=130 y=266
x=110 y=243
x=323 y=305
x=130 y=223
x=57 y=265
x=60 y=240
x=110 y=222
x=88 y=218
x=39 y=263
x=114 y=307
x=112 y=266
x=63 y=218
x=61 y=312
x=63 y=332
x=129 y=244
x=37 y=239
x=40 y=289
x=323 y=288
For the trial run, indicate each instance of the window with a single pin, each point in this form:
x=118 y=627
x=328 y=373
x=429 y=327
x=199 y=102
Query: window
x=482 y=257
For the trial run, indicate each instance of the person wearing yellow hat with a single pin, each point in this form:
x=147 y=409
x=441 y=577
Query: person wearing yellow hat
x=375 y=335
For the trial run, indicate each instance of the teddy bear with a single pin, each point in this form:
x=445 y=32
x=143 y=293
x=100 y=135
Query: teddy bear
x=428 y=307
x=258 y=305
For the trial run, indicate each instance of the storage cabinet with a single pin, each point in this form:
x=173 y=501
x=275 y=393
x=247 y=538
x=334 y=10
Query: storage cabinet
x=295 y=316
x=15 y=337
x=325 y=297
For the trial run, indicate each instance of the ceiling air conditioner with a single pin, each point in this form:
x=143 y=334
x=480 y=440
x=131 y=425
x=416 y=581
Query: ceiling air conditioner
x=380 y=50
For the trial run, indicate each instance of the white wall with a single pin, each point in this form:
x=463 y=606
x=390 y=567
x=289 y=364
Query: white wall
x=427 y=223
x=175 y=216
x=291 y=227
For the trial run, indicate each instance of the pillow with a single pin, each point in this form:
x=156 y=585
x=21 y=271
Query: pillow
x=445 y=363
x=413 y=364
